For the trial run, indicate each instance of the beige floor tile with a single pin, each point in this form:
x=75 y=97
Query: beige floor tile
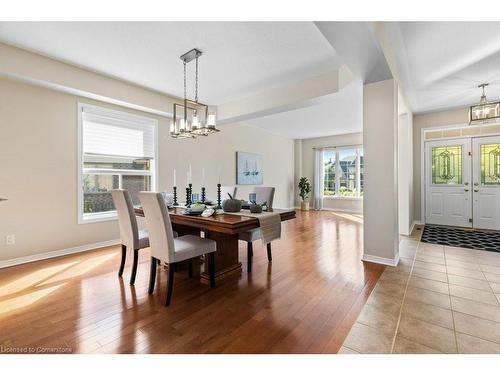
x=474 y=345
x=368 y=340
x=473 y=294
x=477 y=327
x=466 y=273
x=466 y=265
x=495 y=287
x=345 y=350
x=468 y=282
x=384 y=301
x=435 y=286
x=392 y=276
x=461 y=258
x=430 y=266
x=461 y=251
x=382 y=318
x=481 y=310
x=431 y=253
x=491 y=277
x=429 y=259
x=489 y=255
x=431 y=335
x=431 y=275
x=408 y=253
x=490 y=269
x=489 y=261
x=429 y=297
x=427 y=313
x=405 y=346
x=387 y=287
x=430 y=247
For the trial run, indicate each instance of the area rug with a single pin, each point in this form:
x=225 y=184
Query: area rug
x=459 y=237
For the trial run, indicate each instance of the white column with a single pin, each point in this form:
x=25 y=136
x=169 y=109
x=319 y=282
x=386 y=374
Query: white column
x=380 y=198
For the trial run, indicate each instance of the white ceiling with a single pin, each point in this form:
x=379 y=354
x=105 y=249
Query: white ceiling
x=239 y=58
x=441 y=63
x=342 y=113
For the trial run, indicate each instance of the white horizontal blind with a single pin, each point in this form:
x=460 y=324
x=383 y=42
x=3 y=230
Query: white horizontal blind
x=112 y=133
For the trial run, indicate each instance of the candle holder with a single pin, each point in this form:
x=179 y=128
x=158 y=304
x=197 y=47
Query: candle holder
x=175 y=195
x=203 y=195
x=219 y=206
x=190 y=191
x=188 y=198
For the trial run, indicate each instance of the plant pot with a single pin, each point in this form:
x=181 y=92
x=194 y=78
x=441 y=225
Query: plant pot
x=304 y=205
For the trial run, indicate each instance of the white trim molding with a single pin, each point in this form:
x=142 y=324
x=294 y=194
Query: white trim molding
x=380 y=260
x=57 y=253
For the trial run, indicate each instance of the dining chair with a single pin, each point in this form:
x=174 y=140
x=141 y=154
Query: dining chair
x=165 y=247
x=225 y=190
x=263 y=195
x=130 y=236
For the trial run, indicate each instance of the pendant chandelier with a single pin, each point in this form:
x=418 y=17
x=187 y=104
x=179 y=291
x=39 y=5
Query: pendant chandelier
x=485 y=111
x=192 y=118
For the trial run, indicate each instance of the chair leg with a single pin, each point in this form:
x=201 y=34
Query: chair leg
x=152 y=275
x=190 y=268
x=134 y=267
x=269 y=254
x=211 y=266
x=122 y=264
x=170 y=285
x=249 y=256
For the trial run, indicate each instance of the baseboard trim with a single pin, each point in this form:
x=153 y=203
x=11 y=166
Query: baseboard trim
x=56 y=253
x=343 y=210
x=380 y=260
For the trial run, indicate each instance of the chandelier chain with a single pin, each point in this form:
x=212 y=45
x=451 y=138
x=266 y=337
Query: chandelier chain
x=185 y=90
x=196 y=83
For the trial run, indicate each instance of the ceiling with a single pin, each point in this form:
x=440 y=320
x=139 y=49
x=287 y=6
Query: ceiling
x=342 y=113
x=239 y=58
x=441 y=63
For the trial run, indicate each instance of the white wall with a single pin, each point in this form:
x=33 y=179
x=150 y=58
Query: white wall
x=38 y=155
x=306 y=155
x=380 y=121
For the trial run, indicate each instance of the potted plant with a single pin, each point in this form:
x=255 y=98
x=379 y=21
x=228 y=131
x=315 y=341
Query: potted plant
x=305 y=189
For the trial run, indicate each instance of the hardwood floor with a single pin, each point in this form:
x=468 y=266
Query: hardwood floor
x=305 y=302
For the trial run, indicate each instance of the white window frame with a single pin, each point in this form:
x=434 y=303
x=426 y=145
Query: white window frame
x=337 y=174
x=119 y=115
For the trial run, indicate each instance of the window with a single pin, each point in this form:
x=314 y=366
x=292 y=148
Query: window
x=447 y=165
x=343 y=172
x=117 y=150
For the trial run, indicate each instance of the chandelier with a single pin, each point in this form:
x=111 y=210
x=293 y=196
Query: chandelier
x=485 y=111
x=192 y=118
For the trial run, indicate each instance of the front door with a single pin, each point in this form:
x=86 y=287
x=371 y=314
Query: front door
x=486 y=182
x=448 y=190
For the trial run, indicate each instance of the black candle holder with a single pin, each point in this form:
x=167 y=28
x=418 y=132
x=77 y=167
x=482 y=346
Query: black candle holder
x=188 y=197
x=175 y=195
x=219 y=206
x=190 y=192
x=203 y=195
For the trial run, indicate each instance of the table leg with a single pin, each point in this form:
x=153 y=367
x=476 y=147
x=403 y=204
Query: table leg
x=226 y=257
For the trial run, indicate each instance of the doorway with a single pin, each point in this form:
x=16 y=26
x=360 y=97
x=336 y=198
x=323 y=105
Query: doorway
x=462 y=182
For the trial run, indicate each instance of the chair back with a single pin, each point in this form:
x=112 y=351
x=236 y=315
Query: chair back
x=225 y=190
x=265 y=194
x=129 y=232
x=161 y=235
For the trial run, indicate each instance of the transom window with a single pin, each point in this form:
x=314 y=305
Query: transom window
x=343 y=172
x=117 y=151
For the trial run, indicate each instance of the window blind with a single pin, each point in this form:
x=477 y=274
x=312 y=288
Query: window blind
x=111 y=133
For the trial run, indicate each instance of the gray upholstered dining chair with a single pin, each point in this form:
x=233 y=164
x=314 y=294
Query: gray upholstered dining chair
x=165 y=247
x=225 y=190
x=131 y=237
x=263 y=195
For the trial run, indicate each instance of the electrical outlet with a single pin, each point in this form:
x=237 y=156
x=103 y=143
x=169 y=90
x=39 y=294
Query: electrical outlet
x=10 y=239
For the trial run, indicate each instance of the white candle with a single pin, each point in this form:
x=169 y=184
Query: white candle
x=174 y=178
x=203 y=177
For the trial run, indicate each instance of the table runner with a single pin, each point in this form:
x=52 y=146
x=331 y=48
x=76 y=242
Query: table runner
x=270 y=224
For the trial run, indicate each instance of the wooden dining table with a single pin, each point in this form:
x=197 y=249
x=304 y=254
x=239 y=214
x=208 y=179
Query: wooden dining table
x=224 y=230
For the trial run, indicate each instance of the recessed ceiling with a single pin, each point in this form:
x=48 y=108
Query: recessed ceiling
x=238 y=58
x=342 y=113
x=441 y=63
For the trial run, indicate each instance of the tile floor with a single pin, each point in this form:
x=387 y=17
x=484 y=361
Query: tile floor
x=439 y=299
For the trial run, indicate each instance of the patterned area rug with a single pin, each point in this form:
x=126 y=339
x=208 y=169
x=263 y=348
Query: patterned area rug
x=471 y=239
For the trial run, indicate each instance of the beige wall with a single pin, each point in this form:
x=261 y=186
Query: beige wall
x=429 y=120
x=307 y=167
x=38 y=129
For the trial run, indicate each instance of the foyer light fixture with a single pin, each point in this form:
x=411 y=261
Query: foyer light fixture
x=192 y=118
x=484 y=111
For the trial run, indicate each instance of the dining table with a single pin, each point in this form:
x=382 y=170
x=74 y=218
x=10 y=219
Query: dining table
x=224 y=230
